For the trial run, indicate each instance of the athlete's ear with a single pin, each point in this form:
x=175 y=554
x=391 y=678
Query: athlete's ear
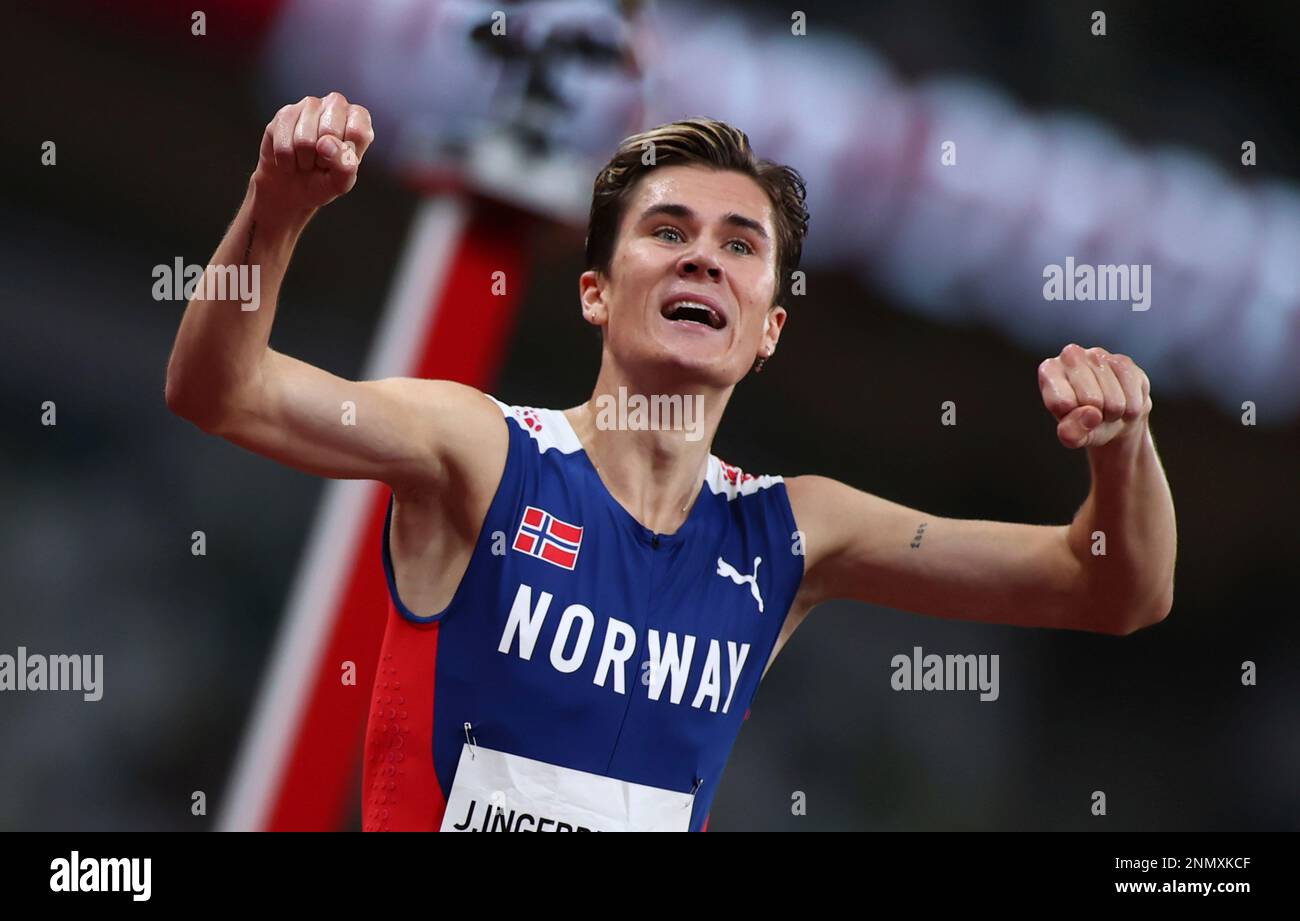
x=592 y=288
x=772 y=325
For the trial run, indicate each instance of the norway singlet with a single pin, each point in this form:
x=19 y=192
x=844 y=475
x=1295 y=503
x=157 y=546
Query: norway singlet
x=588 y=674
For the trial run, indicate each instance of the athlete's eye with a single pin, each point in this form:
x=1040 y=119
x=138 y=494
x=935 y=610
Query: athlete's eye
x=747 y=248
x=671 y=230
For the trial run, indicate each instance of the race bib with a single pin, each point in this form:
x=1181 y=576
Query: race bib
x=495 y=791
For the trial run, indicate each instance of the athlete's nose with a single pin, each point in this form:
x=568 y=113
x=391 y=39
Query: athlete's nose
x=699 y=265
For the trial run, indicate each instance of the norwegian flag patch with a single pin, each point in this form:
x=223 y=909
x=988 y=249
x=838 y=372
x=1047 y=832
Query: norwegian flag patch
x=548 y=538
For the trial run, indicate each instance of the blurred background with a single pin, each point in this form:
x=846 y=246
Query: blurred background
x=924 y=285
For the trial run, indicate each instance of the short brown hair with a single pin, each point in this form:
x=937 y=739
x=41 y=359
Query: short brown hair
x=704 y=142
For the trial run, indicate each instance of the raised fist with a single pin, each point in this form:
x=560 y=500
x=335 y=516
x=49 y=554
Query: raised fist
x=1096 y=396
x=311 y=151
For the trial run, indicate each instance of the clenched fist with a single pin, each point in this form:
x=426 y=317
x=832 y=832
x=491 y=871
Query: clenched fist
x=311 y=151
x=1095 y=396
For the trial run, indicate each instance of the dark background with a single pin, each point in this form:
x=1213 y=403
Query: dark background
x=155 y=143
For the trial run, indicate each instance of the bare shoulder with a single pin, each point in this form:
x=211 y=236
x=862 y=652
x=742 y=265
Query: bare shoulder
x=815 y=501
x=845 y=527
x=446 y=406
x=827 y=506
x=465 y=430
x=806 y=491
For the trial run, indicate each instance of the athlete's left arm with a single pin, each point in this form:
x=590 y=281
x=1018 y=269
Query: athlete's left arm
x=1110 y=571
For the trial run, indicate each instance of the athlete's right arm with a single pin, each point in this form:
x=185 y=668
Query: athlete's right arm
x=224 y=377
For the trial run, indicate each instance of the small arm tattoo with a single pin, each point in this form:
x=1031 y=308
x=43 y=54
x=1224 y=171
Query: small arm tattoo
x=248 y=250
x=920 y=532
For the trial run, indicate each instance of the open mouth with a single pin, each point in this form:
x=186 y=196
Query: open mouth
x=688 y=311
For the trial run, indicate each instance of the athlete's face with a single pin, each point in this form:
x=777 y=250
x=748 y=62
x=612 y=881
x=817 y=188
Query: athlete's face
x=692 y=276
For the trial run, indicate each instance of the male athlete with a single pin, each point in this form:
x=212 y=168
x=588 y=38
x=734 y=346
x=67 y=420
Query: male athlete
x=583 y=607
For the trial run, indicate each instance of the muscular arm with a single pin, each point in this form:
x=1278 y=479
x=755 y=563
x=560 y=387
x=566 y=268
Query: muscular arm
x=866 y=548
x=224 y=377
x=863 y=547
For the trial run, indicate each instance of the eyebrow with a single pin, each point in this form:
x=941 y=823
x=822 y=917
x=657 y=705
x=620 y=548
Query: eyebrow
x=686 y=214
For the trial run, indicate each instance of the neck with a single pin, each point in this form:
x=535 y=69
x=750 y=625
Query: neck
x=650 y=443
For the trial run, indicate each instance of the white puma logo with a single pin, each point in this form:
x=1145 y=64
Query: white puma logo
x=726 y=569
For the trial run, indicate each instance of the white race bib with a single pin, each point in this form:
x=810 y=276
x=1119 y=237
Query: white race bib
x=495 y=791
